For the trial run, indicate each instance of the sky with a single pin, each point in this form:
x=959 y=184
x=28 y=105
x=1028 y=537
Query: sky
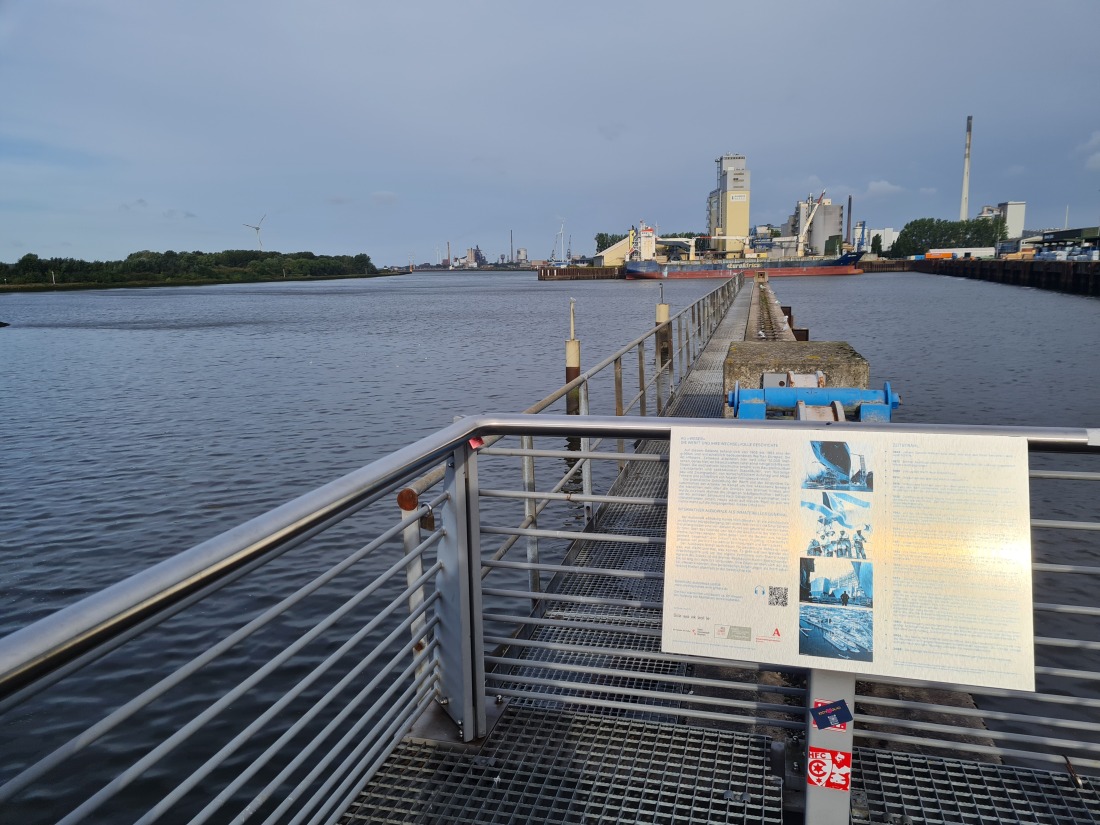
x=394 y=128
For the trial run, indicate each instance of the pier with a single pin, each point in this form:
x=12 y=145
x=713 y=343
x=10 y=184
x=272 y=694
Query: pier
x=481 y=641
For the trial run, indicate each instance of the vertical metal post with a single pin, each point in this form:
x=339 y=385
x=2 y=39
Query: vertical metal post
x=586 y=463
x=461 y=655
x=680 y=345
x=662 y=356
x=572 y=360
x=641 y=377
x=530 y=511
x=829 y=751
x=619 y=403
x=409 y=503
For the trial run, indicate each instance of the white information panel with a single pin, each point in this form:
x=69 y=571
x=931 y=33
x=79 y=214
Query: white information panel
x=905 y=555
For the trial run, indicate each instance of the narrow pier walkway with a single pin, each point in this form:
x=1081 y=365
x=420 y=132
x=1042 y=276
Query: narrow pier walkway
x=622 y=761
x=600 y=739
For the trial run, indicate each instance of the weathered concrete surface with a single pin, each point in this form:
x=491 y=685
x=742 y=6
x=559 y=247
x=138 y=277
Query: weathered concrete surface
x=747 y=361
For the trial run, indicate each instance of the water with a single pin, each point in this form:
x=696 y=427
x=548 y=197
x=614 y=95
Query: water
x=140 y=422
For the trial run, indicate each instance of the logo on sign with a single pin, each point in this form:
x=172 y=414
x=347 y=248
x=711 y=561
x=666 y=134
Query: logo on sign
x=829 y=769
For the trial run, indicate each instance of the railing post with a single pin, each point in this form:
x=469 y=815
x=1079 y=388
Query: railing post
x=586 y=463
x=409 y=502
x=641 y=377
x=530 y=511
x=680 y=345
x=662 y=355
x=619 y=403
x=461 y=656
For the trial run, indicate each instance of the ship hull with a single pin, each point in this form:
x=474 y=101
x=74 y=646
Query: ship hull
x=652 y=270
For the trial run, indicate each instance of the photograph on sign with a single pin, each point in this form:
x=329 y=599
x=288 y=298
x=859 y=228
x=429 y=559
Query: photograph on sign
x=889 y=553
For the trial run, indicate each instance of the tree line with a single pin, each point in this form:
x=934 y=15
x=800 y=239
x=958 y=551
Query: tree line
x=932 y=233
x=146 y=268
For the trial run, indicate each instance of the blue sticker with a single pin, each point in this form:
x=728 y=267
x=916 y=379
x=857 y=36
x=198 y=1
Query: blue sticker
x=831 y=714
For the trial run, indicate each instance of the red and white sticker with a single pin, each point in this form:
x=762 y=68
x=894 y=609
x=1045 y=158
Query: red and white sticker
x=841 y=726
x=829 y=769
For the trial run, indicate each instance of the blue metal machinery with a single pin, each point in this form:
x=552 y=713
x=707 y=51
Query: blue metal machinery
x=848 y=402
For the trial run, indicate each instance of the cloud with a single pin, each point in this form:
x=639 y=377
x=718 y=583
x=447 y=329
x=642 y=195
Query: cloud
x=882 y=188
x=339 y=200
x=927 y=190
x=1093 y=162
x=140 y=203
x=172 y=214
x=1092 y=144
x=384 y=197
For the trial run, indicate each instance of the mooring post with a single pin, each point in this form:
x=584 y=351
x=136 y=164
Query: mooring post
x=572 y=361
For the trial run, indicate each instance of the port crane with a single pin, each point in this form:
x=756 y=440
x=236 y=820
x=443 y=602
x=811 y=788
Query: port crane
x=801 y=250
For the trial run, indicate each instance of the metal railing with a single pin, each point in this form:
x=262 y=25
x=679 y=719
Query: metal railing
x=266 y=674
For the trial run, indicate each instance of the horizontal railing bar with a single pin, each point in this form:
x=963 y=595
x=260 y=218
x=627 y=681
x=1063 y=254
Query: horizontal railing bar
x=1074 y=569
x=585 y=571
x=1070 y=643
x=424 y=681
x=969 y=747
x=615 y=673
x=570 y=599
x=1067 y=673
x=639 y=693
x=646 y=501
x=630 y=630
x=394 y=709
x=868 y=719
x=993 y=693
x=185 y=671
x=575 y=454
x=212 y=711
x=1066 y=609
x=658 y=710
x=1050 y=524
x=571 y=535
x=272 y=710
x=1064 y=474
x=654 y=656
x=390 y=739
x=975 y=713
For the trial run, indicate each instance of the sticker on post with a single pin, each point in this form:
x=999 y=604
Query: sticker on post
x=831 y=715
x=829 y=769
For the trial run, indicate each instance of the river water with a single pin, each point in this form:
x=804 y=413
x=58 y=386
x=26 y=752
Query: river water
x=140 y=422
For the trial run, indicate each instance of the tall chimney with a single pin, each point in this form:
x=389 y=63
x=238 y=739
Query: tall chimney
x=964 y=210
x=848 y=231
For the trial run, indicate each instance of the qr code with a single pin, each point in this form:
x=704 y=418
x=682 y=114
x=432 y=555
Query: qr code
x=777 y=596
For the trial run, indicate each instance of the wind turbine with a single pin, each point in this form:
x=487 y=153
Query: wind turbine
x=257 y=228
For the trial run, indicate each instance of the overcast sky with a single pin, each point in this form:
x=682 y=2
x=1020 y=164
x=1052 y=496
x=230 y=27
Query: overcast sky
x=392 y=128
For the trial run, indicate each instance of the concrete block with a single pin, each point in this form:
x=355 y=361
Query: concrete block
x=747 y=361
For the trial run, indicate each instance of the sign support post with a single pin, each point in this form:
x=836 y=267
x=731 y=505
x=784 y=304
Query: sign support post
x=829 y=748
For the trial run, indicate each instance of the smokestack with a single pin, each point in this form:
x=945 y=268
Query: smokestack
x=964 y=210
x=848 y=231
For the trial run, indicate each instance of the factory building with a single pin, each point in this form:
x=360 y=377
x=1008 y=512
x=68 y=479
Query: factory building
x=728 y=206
x=1012 y=212
x=827 y=223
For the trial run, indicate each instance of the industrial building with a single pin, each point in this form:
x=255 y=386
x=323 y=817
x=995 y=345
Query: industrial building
x=1012 y=212
x=827 y=223
x=728 y=206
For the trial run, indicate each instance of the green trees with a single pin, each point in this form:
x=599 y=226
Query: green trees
x=146 y=267
x=876 y=244
x=932 y=233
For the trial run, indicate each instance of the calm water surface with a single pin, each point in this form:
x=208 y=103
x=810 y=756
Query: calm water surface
x=140 y=422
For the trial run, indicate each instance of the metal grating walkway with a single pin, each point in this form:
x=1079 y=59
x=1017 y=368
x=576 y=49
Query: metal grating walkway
x=550 y=766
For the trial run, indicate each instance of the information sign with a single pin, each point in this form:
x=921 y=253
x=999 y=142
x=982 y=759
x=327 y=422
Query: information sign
x=892 y=554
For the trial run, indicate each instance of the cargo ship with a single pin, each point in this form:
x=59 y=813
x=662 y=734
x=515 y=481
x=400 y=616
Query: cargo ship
x=845 y=264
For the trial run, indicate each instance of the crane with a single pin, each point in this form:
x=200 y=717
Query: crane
x=806 y=228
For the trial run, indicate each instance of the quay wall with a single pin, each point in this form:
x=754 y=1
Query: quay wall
x=579 y=273
x=1075 y=277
